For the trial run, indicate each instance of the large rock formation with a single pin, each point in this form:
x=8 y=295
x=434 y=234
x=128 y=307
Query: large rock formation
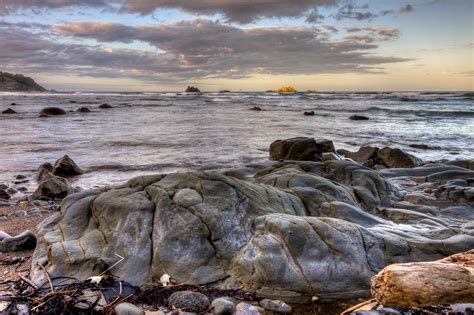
x=300 y=149
x=10 y=82
x=281 y=229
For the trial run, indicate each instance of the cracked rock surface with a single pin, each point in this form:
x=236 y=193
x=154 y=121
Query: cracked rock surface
x=281 y=229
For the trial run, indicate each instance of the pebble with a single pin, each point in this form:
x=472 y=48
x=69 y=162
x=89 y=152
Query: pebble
x=40 y=203
x=223 y=306
x=275 y=306
x=126 y=308
x=19 y=214
x=246 y=309
x=20 y=176
x=4 y=194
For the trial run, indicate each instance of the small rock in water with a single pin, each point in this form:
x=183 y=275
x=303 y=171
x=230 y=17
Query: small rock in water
x=3 y=186
x=223 y=306
x=24 y=241
x=310 y=113
x=12 y=191
x=4 y=194
x=126 y=308
x=20 y=176
x=275 y=306
x=83 y=110
x=396 y=158
x=189 y=301
x=105 y=106
x=13 y=104
x=358 y=117
x=192 y=89
x=256 y=108
x=300 y=149
x=52 y=111
x=9 y=111
x=52 y=186
x=65 y=166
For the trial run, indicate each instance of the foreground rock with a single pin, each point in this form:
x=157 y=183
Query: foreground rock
x=52 y=186
x=188 y=301
x=446 y=281
x=285 y=230
x=52 y=111
x=24 y=241
x=300 y=149
x=65 y=167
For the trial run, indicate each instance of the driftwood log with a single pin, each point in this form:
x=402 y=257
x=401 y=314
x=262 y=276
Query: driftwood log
x=446 y=281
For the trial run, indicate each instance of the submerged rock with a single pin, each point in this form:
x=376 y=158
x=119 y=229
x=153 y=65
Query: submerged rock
x=300 y=149
x=256 y=108
x=105 y=106
x=52 y=111
x=358 y=117
x=65 y=167
x=9 y=111
x=310 y=113
x=4 y=194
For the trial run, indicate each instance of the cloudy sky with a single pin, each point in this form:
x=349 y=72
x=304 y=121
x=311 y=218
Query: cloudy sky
x=249 y=45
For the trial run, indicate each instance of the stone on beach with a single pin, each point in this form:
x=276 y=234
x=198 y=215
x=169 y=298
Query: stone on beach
x=311 y=228
x=52 y=111
x=52 y=186
x=188 y=301
x=4 y=194
x=65 y=167
x=396 y=158
x=24 y=241
x=446 y=281
x=300 y=149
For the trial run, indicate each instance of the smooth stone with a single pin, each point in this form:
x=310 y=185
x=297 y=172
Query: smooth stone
x=20 y=176
x=19 y=214
x=24 y=241
x=11 y=191
x=38 y=213
x=187 y=197
x=126 y=308
x=83 y=110
x=396 y=158
x=3 y=186
x=223 y=306
x=4 y=235
x=188 y=301
x=275 y=306
x=246 y=309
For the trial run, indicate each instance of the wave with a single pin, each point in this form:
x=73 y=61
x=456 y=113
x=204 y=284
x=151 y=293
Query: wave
x=417 y=112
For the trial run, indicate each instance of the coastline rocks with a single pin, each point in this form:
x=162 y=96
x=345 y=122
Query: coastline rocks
x=223 y=306
x=4 y=194
x=396 y=158
x=446 y=281
x=44 y=169
x=358 y=117
x=287 y=229
x=192 y=89
x=52 y=111
x=105 y=106
x=9 y=111
x=24 y=241
x=52 y=186
x=65 y=167
x=188 y=301
x=300 y=149
x=310 y=113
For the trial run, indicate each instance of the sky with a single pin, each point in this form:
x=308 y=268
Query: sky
x=240 y=45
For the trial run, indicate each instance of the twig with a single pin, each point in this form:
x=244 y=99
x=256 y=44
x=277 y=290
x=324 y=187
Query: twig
x=34 y=286
x=47 y=276
x=118 y=262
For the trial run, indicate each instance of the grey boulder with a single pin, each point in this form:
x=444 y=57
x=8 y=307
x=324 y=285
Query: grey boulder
x=300 y=149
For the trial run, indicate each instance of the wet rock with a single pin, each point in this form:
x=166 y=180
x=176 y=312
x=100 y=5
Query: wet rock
x=13 y=104
x=11 y=191
x=66 y=167
x=396 y=158
x=105 y=106
x=126 y=308
x=9 y=111
x=223 y=306
x=300 y=149
x=310 y=113
x=256 y=108
x=52 y=111
x=188 y=301
x=43 y=170
x=20 y=177
x=3 y=186
x=24 y=241
x=4 y=194
x=52 y=186
x=83 y=110
x=423 y=146
x=330 y=156
x=192 y=89
x=365 y=154
x=275 y=306
x=358 y=117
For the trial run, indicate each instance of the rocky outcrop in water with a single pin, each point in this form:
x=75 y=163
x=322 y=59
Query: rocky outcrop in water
x=300 y=149
x=52 y=111
x=282 y=229
x=10 y=82
x=192 y=89
x=386 y=157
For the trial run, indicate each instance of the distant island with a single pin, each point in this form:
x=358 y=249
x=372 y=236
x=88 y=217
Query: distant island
x=10 y=82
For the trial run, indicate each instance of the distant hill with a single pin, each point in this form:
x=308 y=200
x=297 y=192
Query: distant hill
x=18 y=83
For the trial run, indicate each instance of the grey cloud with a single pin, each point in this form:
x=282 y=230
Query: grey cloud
x=11 y=6
x=352 y=11
x=372 y=34
x=408 y=8
x=187 y=50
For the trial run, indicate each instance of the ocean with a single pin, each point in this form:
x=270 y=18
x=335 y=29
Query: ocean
x=146 y=133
